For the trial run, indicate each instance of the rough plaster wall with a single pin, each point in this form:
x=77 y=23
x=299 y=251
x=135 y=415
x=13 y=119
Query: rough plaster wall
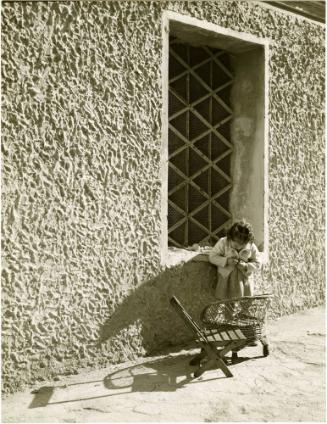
x=82 y=284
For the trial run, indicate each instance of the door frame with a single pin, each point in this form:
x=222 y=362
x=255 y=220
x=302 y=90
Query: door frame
x=193 y=25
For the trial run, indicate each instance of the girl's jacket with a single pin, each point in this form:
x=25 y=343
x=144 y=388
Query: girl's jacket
x=223 y=250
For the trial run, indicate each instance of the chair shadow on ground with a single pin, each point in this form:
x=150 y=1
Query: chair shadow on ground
x=164 y=374
x=161 y=375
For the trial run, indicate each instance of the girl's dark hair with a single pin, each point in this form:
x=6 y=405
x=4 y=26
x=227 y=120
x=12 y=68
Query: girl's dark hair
x=241 y=230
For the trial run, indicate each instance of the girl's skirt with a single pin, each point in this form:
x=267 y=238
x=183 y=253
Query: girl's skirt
x=235 y=285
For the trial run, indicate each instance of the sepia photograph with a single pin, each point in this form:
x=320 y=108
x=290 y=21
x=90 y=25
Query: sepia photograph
x=163 y=188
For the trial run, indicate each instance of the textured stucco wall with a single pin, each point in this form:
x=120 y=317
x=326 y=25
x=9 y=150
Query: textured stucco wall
x=81 y=128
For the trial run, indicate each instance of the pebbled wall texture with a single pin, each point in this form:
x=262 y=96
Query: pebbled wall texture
x=82 y=284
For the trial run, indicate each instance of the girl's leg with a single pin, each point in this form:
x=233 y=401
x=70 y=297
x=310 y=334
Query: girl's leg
x=236 y=284
x=248 y=287
x=221 y=288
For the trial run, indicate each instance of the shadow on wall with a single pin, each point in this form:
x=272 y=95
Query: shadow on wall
x=145 y=322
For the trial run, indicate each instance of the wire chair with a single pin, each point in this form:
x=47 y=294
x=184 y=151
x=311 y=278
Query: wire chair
x=246 y=313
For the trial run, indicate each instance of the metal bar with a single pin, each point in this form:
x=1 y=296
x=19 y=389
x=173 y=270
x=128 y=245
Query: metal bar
x=195 y=67
x=171 y=229
x=226 y=84
x=202 y=82
x=190 y=181
x=223 y=210
x=196 y=102
x=178 y=171
x=188 y=144
x=178 y=209
x=212 y=198
x=204 y=121
x=222 y=191
x=210 y=164
x=178 y=77
x=219 y=158
x=210 y=155
x=187 y=191
x=180 y=135
x=177 y=187
x=203 y=205
x=180 y=149
x=222 y=226
x=190 y=217
x=174 y=242
x=221 y=65
x=210 y=128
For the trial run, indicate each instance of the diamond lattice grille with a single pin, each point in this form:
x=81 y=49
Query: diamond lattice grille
x=199 y=180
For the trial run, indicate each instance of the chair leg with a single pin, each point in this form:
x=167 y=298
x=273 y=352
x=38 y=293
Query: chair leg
x=234 y=357
x=265 y=345
x=196 y=360
x=212 y=364
x=215 y=359
x=223 y=367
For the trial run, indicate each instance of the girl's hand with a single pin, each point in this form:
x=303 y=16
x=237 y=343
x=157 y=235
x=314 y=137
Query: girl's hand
x=232 y=261
x=242 y=266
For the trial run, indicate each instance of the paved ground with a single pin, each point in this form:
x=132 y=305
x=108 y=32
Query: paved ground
x=288 y=385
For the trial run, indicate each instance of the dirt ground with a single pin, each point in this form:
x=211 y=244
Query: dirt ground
x=288 y=385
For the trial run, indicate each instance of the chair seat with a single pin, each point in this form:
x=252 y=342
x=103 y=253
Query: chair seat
x=228 y=325
x=232 y=334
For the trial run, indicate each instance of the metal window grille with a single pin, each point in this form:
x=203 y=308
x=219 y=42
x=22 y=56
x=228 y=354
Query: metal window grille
x=199 y=180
